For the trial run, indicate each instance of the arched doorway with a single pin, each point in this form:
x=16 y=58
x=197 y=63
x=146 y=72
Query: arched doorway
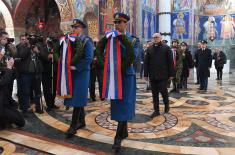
x=53 y=14
x=6 y=19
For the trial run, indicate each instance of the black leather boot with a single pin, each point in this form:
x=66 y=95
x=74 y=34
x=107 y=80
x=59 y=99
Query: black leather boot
x=81 y=121
x=118 y=138
x=125 y=131
x=167 y=108
x=73 y=126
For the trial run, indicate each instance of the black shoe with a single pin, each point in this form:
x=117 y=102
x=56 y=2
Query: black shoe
x=81 y=125
x=167 y=109
x=154 y=114
x=102 y=99
x=39 y=111
x=197 y=83
x=70 y=132
x=117 y=145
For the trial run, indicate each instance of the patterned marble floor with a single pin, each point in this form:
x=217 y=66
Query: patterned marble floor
x=198 y=123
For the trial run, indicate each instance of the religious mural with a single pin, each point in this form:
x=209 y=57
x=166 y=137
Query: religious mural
x=88 y=11
x=180 y=25
x=149 y=19
x=214 y=7
x=181 y=5
x=106 y=10
x=128 y=8
x=219 y=29
x=83 y=6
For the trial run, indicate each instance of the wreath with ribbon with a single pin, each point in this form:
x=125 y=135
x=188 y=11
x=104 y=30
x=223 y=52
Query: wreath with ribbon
x=128 y=58
x=79 y=50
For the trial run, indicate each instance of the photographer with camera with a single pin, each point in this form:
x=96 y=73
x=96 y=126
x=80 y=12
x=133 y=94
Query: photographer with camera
x=8 y=108
x=30 y=69
x=49 y=73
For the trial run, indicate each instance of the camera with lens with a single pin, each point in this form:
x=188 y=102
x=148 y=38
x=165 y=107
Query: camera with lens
x=34 y=40
x=51 y=41
x=10 y=40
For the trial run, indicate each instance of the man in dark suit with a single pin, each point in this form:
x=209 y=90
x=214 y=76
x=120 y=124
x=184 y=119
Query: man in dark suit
x=220 y=60
x=204 y=62
x=158 y=66
x=96 y=73
x=49 y=74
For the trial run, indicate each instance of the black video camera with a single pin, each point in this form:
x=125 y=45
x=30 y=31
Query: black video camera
x=34 y=39
x=10 y=40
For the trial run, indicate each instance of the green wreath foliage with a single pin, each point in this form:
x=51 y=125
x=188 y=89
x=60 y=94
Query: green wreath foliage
x=78 y=52
x=79 y=48
x=129 y=56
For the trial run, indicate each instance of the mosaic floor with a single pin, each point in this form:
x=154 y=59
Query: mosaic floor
x=198 y=123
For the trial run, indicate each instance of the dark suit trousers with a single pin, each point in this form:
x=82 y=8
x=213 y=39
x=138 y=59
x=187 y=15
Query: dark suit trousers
x=159 y=86
x=95 y=73
x=203 y=83
x=47 y=88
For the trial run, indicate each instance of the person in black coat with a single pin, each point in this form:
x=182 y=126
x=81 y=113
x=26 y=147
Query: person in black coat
x=187 y=64
x=158 y=66
x=204 y=61
x=49 y=74
x=96 y=72
x=8 y=109
x=220 y=60
x=199 y=46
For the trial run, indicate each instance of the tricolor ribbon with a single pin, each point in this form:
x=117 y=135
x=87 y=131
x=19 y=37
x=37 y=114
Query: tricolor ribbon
x=64 y=76
x=112 y=81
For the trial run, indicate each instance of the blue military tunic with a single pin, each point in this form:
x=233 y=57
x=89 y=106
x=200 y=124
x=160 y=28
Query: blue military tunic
x=124 y=110
x=81 y=76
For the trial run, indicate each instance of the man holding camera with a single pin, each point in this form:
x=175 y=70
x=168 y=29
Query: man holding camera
x=30 y=69
x=49 y=74
x=8 y=109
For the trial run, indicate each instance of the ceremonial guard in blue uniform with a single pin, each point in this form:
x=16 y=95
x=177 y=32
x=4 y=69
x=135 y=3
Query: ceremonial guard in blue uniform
x=119 y=50
x=76 y=54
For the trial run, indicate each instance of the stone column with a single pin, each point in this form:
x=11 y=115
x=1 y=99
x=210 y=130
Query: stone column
x=165 y=19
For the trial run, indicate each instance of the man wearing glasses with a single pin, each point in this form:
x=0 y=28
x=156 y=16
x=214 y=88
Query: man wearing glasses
x=76 y=54
x=120 y=51
x=158 y=68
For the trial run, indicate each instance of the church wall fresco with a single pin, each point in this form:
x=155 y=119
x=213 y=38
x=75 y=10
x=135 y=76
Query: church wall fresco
x=106 y=10
x=212 y=20
x=88 y=10
x=181 y=5
x=215 y=7
x=149 y=18
x=181 y=20
x=128 y=7
x=180 y=25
